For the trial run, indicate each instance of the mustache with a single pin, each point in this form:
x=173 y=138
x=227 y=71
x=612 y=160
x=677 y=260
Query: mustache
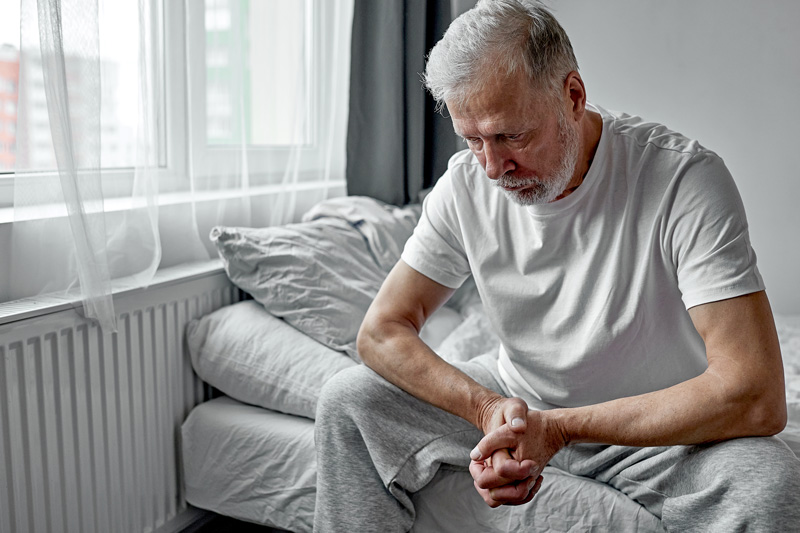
x=507 y=180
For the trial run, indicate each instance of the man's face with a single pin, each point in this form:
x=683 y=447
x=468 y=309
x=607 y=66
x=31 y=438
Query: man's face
x=528 y=148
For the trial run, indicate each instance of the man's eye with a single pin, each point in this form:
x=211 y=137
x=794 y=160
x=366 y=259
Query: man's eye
x=513 y=137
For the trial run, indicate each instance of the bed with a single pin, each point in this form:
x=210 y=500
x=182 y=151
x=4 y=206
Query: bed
x=249 y=453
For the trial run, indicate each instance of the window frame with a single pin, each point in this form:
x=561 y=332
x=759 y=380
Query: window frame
x=118 y=181
x=266 y=163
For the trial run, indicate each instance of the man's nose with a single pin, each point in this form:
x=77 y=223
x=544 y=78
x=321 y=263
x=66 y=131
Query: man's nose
x=498 y=161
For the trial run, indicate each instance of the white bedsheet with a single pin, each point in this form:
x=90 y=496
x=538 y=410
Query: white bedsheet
x=250 y=463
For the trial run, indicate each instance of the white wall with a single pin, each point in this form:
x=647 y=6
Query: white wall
x=726 y=72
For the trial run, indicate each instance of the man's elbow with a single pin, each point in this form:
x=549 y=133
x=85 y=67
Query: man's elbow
x=365 y=341
x=775 y=421
x=768 y=414
x=374 y=339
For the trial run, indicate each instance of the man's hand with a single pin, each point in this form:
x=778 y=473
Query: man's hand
x=507 y=463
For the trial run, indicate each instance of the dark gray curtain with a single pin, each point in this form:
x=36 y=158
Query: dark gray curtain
x=396 y=144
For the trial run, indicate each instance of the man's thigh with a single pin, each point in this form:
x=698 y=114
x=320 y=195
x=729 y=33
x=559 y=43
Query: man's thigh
x=407 y=439
x=747 y=483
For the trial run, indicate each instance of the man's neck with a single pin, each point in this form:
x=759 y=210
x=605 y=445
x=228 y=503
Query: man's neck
x=591 y=129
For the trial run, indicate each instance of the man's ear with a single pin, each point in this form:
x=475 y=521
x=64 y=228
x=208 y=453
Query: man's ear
x=576 y=92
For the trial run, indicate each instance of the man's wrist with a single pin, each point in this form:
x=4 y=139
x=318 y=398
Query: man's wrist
x=484 y=405
x=558 y=423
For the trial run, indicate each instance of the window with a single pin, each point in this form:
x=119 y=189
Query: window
x=255 y=74
x=222 y=113
x=9 y=74
x=218 y=15
x=285 y=49
x=275 y=88
x=119 y=74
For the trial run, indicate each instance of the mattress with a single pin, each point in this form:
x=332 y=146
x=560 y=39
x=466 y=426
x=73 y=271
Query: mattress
x=260 y=466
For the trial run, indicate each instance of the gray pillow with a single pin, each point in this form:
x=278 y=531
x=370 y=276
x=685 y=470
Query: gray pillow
x=259 y=359
x=319 y=276
x=385 y=227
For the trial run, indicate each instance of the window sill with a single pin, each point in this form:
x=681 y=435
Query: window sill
x=46 y=304
x=173 y=198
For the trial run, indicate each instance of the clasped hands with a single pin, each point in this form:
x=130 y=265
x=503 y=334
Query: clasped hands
x=507 y=463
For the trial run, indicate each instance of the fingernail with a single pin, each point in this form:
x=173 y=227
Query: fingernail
x=517 y=422
x=475 y=454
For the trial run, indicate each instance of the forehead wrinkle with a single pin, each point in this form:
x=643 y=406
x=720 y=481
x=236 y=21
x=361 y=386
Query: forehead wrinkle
x=492 y=112
x=481 y=129
x=496 y=125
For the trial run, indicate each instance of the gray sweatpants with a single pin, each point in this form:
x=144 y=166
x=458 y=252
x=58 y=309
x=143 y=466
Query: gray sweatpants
x=376 y=445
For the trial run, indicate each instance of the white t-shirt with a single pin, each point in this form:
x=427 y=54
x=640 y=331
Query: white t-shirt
x=589 y=294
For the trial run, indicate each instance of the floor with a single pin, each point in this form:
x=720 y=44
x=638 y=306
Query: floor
x=223 y=524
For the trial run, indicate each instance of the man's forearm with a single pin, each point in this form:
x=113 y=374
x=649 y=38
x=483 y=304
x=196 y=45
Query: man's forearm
x=702 y=409
x=389 y=343
x=396 y=352
x=741 y=393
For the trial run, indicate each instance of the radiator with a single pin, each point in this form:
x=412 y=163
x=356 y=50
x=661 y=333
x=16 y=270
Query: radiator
x=91 y=422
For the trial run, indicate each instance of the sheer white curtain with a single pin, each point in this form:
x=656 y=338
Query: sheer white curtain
x=267 y=98
x=254 y=147
x=62 y=237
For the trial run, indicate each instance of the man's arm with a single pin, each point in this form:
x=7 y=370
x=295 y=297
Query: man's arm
x=389 y=343
x=741 y=394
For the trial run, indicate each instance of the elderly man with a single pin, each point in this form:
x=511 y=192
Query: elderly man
x=613 y=259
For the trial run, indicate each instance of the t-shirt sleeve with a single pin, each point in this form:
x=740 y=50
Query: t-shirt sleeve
x=436 y=248
x=708 y=234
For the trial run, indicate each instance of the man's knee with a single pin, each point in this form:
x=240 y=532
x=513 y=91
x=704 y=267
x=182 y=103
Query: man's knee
x=352 y=392
x=746 y=484
x=755 y=457
x=776 y=468
x=759 y=472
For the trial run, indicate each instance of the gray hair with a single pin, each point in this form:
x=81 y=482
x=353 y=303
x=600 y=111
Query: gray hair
x=499 y=37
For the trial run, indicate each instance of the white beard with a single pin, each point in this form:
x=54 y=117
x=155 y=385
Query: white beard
x=542 y=191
